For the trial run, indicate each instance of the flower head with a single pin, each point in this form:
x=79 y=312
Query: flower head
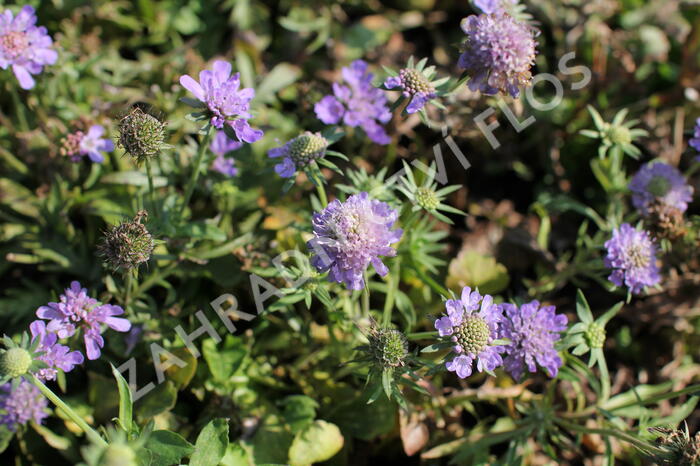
x=472 y=324
x=20 y=403
x=532 y=330
x=358 y=103
x=632 y=258
x=91 y=144
x=498 y=53
x=661 y=183
x=297 y=153
x=415 y=83
x=55 y=355
x=128 y=244
x=24 y=46
x=222 y=145
x=76 y=311
x=388 y=347
x=351 y=235
x=15 y=362
x=142 y=135
x=226 y=102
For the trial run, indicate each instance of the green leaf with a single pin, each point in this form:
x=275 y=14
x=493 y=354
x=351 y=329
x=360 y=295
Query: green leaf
x=126 y=405
x=299 y=411
x=318 y=442
x=133 y=178
x=470 y=268
x=278 y=78
x=160 y=399
x=583 y=310
x=211 y=443
x=167 y=447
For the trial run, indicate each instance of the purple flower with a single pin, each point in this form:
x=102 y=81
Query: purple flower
x=498 y=53
x=299 y=152
x=222 y=145
x=472 y=324
x=357 y=104
x=695 y=140
x=632 y=258
x=228 y=104
x=660 y=182
x=55 y=355
x=76 y=310
x=414 y=85
x=24 y=46
x=532 y=330
x=350 y=236
x=21 y=404
x=492 y=6
x=79 y=144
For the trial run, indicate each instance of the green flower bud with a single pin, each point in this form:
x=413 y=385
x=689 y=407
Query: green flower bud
x=141 y=135
x=389 y=347
x=128 y=244
x=15 y=362
x=595 y=335
x=118 y=455
x=426 y=198
x=619 y=135
x=307 y=147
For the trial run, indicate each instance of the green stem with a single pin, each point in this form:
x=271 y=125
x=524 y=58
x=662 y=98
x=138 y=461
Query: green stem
x=632 y=440
x=79 y=421
x=321 y=190
x=203 y=144
x=151 y=189
x=604 y=379
x=422 y=335
x=21 y=109
x=391 y=289
x=693 y=168
x=365 y=298
x=128 y=285
x=439 y=289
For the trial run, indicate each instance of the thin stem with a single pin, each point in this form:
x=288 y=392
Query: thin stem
x=318 y=181
x=391 y=290
x=203 y=144
x=604 y=379
x=79 y=421
x=21 y=110
x=151 y=189
x=641 y=444
x=128 y=285
x=365 y=298
x=422 y=335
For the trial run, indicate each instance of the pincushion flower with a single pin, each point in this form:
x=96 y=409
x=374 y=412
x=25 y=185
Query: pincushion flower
x=493 y=6
x=351 y=235
x=471 y=325
x=227 y=103
x=299 y=152
x=416 y=84
x=24 y=46
x=76 y=311
x=358 y=103
x=661 y=183
x=532 y=330
x=55 y=355
x=631 y=254
x=498 y=53
x=90 y=144
x=21 y=403
x=222 y=145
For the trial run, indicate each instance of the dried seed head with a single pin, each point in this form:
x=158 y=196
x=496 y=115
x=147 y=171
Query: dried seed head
x=128 y=244
x=141 y=135
x=665 y=221
x=389 y=347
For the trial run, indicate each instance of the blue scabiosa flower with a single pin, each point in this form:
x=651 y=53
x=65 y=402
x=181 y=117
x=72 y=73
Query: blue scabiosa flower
x=632 y=258
x=90 y=144
x=75 y=311
x=21 y=403
x=660 y=183
x=55 y=355
x=220 y=146
x=24 y=46
x=226 y=102
x=415 y=83
x=472 y=325
x=695 y=140
x=498 y=53
x=532 y=330
x=351 y=235
x=299 y=152
x=358 y=103
x=493 y=6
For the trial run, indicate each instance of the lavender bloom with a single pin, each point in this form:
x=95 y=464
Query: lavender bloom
x=79 y=144
x=21 y=404
x=228 y=104
x=55 y=355
x=297 y=153
x=357 y=104
x=415 y=86
x=76 y=310
x=24 y=46
x=472 y=324
x=498 y=53
x=660 y=182
x=632 y=258
x=532 y=330
x=222 y=145
x=350 y=236
x=492 y=6
x=695 y=140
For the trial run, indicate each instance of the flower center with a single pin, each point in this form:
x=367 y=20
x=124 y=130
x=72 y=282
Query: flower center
x=595 y=335
x=637 y=256
x=307 y=147
x=70 y=145
x=619 y=135
x=472 y=335
x=659 y=186
x=414 y=82
x=426 y=198
x=14 y=43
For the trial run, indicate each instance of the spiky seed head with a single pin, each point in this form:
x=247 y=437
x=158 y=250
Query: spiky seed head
x=389 y=347
x=306 y=147
x=595 y=335
x=472 y=335
x=683 y=449
x=414 y=82
x=666 y=221
x=15 y=362
x=118 y=455
x=128 y=244
x=141 y=135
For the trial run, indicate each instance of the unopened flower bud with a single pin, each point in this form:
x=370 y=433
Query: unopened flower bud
x=15 y=362
x=141 y=135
